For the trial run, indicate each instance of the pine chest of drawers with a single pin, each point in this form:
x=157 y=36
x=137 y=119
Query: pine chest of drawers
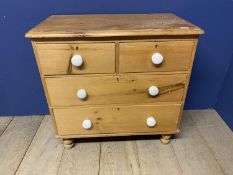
x=115 y=75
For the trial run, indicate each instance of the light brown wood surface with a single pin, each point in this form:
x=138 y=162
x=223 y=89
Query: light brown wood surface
x=207 y=150
x=136 y=56
x=156 y=158
x=117 y=69
x=119 y=158
x=193 y=152
x=116 y=119
x=218 y=136
x=70 y=26
x=15 y=141
x=188 y=80
x=113 y=135
x=44 y=86
x=115 y=89
x=4 y=122
x=83 y=159
x=44 y=154
x=55 y=59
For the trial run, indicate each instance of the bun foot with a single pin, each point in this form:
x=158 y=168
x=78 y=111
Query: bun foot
x=165 y=139
x=68 y=143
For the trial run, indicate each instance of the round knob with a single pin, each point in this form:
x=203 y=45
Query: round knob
x=77 y=60
x=150 y=121
x=153 y=90
x=82 y=94
x=157 y=58
x=86 y=124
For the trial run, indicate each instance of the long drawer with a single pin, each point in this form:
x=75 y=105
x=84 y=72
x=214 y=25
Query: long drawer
x=55 y=59
x=137 y=56
x=122 y=89
x=116 y=119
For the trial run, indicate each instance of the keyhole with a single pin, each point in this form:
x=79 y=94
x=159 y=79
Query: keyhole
x=156 y=46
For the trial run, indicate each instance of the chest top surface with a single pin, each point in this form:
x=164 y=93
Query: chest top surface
x=68 y=26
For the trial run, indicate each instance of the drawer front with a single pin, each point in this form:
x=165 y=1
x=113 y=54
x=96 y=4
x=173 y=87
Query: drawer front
x=116 y=119
x=131 y=89
x=55 y=59
x=137 y=56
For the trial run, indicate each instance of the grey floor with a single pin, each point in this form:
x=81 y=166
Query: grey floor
x=204 y=147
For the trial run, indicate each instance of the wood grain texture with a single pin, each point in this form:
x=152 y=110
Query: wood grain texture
x=113 y=46
x=218 y=136
x=44 y=153
x=70 y=26
x=117 y=119
x=192 y=151
x=188 y=79
x=43 y=83
x=4 y=122
x=136 y=56
x=207 y=118
x=80 y=160
x=206 y=149
x=121 y=89
x=157 y=159
x=119 y=158
x=117 y=134
x=55 y=59
x=15 y=141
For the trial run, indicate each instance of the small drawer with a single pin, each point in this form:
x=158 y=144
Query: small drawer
x=122 y=89
x=117 y=119
x=62 y=59
x=155 y=56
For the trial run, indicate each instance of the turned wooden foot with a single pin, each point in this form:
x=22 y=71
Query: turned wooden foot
x=68 y=143
x=165 y=139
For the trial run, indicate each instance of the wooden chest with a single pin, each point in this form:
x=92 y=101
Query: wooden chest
x=115 y=75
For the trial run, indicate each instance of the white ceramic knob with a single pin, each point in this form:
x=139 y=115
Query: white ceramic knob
x=86 y=124
x=82 y=94
x=77 y=60
x=157 y=58
x=151 y=122
x=153 y=90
